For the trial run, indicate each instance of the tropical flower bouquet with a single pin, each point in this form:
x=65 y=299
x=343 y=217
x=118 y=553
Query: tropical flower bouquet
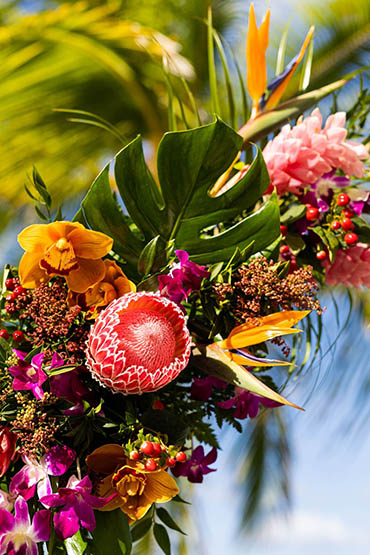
x=133 y=331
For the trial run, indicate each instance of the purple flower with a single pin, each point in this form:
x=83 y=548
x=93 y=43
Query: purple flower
x=201 y=388
x=28 y=375
x=78 y=505
x=70 y=387
x=246 y=403
x=184 y=277
x=36 y=474
x=196 y=466
x=18 y=535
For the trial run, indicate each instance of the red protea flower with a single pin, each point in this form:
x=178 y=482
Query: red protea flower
x=138 y=344
x=7 y=448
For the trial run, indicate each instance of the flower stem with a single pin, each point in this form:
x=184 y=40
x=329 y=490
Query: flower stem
x=51 y=542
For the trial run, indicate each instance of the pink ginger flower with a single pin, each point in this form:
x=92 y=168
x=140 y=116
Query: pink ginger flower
x=351 y=267
x=139 y=343
x=301 y=155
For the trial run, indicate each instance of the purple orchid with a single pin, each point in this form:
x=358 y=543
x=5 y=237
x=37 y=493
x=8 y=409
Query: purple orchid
x=29 y=375
x=36 y=474
x=18 y=535
x=184 y=277
x=196 y=466
x=78 y=505
x=246 y=403
x=201 y=388
x=70 y=387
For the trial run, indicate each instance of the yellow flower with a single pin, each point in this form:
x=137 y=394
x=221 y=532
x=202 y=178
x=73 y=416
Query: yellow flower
x=136 y=488
x=63 y=249
x=113 y=285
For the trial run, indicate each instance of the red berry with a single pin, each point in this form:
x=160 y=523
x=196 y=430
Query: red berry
x=11 y=298
x=18 y=336
x=19 y=290
x=171 y=462
x=343 y=199
x=157 y=449
x=283 y=230
x=321 y=255
x=150 y=465
x=10 y=308
x=350 y=238
x=181 y=457
x=348 y=213
x=10 y=284
x=312 y=213
x=335 y=224
x=4 y=334
x=147 y=447
x=347 y=224
x=134 y=455
x=284 y=249
x=158 y=405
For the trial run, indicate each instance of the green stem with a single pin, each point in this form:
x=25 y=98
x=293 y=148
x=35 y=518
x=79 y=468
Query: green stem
x=51 y=542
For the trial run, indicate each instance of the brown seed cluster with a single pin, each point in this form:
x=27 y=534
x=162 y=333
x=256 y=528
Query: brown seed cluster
x=256 y=290
x=35 y=429
x=53 y=322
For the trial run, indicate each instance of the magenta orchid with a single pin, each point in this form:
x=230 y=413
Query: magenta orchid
x=197 y=465
x=29 y=375
x=78 y=505
x=246 y=403
x=201 y=388
x=18 y=535
x=184 y=277
x=70 y=387
x=36 y=474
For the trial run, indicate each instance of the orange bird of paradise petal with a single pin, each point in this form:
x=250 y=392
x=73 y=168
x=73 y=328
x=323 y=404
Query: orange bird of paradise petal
x=273 y=325
x=257 y=42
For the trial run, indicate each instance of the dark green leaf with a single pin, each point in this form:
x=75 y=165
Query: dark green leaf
x=178 y=499
x=167 y=519
x=294 y=212
x=295 y=242
x=140 y=529
x=362 y=229
x=112 y=533
x=162 y=538
x=103 y=214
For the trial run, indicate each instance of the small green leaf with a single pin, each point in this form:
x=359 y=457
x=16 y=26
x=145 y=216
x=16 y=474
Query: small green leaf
x=179 y=499
x=280 y=60
x=306 y=68
x=212 y=74
x=295 y=242
x=167 y=519
x=140 y=529
x=294 y=212
x=162 y=538
x=112 y=533
x=148 y=256
x=75 y=545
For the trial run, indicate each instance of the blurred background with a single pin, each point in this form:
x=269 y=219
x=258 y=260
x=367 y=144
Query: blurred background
x=79 y=79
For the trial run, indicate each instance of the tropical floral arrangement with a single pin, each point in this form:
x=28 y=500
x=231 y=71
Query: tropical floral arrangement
x=132 y=332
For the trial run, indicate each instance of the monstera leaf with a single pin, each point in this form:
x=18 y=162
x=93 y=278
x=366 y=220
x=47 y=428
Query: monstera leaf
x=179 y=209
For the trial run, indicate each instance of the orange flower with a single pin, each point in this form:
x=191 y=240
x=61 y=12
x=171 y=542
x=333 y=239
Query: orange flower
x=136 y=488
x=63 y=249
x=113 y=285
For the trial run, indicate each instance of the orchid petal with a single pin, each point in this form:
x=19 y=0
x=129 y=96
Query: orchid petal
x=22 y=516
x=41 y=526
x=66 y=524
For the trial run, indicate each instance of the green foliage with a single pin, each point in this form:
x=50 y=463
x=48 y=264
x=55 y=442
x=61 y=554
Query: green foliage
x=112 y=534
x=189 y=163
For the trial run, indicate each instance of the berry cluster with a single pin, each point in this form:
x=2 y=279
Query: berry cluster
x=15 y=295
x=153 y=452
x=345 y=223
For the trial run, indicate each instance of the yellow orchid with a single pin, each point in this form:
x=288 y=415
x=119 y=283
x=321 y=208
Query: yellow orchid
x=64 y=249
x=135 y=487
x=257 y=42
x=113 y=285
